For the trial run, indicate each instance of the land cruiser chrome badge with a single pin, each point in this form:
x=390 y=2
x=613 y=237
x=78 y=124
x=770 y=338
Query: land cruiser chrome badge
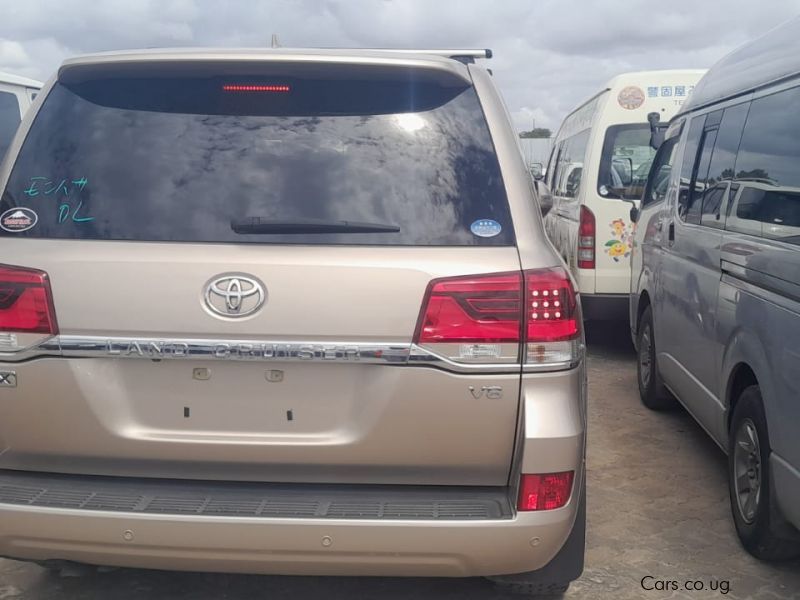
x=234 y=295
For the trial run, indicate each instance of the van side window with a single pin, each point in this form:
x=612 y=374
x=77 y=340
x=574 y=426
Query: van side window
x=700 y=179
x=767 y=202
x=9 y=119
x=689 y=163
x=571 y=164
x=720 y=171
x=658 y=181
x=552 y=166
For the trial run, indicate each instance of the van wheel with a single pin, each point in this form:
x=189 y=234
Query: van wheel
x=651 y=390
x=752 y=504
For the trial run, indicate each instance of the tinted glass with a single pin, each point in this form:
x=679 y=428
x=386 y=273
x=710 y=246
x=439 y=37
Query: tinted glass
x=553 y=166
x=689 y=162
x=550 y=165
x=768 y=201
x=176 y=159
x=625 y=162
x=720 y=172
x=9 y=120
x=701 y=183
x=571 y=161
x=658 y=180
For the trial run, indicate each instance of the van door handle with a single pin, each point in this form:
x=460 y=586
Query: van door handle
x=671 y=233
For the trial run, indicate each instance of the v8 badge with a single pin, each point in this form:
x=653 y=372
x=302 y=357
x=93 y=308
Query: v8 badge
x=492 y=392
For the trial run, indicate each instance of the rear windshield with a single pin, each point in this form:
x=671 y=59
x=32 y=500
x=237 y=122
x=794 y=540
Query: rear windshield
x=409 y=162
x=625 y=162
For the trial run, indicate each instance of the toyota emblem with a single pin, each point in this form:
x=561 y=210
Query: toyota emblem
x=234 y=295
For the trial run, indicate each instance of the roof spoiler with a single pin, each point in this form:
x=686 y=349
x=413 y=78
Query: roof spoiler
x=465 y=56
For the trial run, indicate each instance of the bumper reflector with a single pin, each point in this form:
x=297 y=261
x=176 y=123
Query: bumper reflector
x=544 y=491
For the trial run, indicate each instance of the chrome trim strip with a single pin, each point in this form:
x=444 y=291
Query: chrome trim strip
x=419 y=356
x=78 y=346
x=210 y=349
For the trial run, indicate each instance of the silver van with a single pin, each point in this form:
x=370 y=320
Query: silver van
x=715 y=289
x=286 y=311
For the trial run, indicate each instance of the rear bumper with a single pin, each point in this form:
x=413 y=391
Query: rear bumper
x=552 y=423
x=605 y=307
x=526 y=542
x=500 y=542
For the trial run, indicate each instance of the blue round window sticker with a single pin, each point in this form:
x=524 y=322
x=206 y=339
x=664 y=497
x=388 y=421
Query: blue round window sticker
x=485 y=228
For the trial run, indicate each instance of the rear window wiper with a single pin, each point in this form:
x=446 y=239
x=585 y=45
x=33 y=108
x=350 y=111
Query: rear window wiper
x=255 y=225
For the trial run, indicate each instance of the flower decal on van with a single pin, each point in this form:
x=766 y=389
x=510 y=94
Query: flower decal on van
x=618 y=227
x=619 y=246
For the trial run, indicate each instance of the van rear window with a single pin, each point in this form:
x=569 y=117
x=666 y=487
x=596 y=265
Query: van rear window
x=625 y=162
x=260 y=159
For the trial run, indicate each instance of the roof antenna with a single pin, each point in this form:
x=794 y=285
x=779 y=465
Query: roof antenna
x=275 y=42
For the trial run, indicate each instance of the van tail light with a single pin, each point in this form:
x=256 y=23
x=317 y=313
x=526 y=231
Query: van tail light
x=26 y=302
x=545 y=491
x=587 y=230
x=501 y=317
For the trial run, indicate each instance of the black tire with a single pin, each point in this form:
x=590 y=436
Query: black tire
x=651 y=389
x=762 y=531
x=552 y=580
x=542 y=590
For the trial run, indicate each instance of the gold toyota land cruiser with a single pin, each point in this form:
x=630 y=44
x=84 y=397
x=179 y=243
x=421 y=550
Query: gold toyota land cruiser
x=286 y=311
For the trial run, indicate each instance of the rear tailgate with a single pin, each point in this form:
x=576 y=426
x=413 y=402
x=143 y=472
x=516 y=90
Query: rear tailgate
x=312 y=387
x=222 y=311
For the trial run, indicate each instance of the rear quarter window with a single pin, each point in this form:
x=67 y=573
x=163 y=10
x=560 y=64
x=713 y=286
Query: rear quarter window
x=182 y=159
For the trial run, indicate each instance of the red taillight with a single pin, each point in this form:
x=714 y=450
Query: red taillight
x=499 y=308
x=473 y=309
x=551 y=306
x=26 y=303
x=545 y=491
x=255 y=88
x=586 y=239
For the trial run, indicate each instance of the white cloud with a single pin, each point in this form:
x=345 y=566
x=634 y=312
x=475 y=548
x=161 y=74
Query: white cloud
x=13 y=54
x=549 y=55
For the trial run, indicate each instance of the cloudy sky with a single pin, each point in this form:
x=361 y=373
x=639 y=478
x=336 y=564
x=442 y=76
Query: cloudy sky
x=549 y=54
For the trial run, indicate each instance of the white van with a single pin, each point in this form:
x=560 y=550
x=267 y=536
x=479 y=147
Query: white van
x=598 y=167
x=16 y=95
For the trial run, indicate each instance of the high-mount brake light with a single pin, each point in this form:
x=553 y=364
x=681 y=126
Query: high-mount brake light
x=486 y=318
x=26 y=302
x=230 y=87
